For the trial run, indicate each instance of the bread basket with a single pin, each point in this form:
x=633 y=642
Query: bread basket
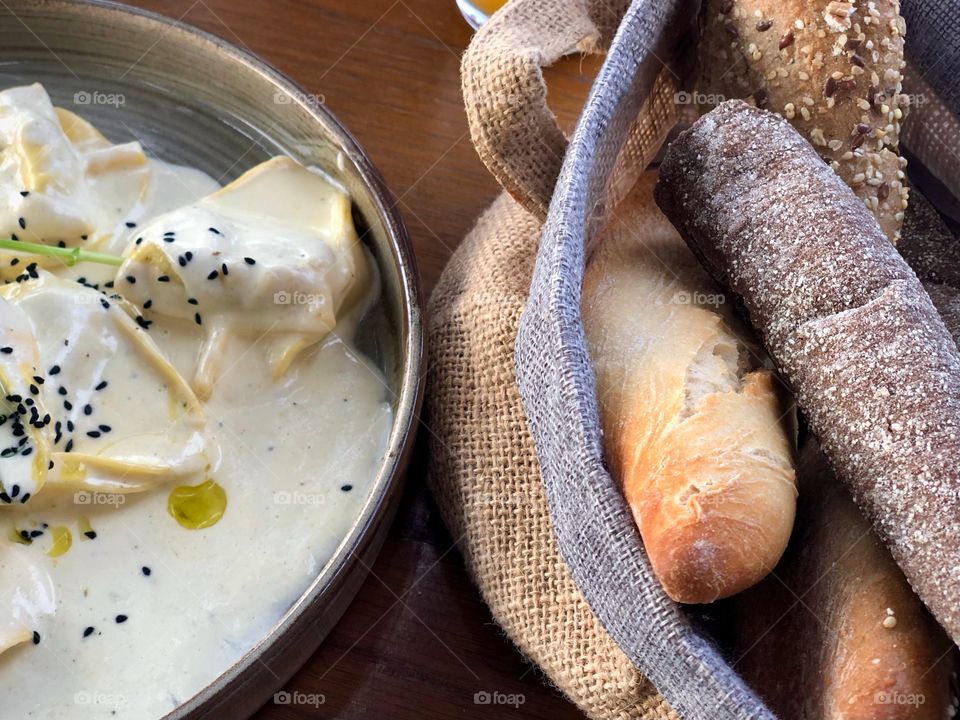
x=630 y=110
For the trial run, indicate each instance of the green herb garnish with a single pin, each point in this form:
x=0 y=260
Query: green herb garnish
x=69 y=256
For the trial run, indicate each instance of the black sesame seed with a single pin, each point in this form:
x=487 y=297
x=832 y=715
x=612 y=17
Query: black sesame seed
x=143 y=322
x=101 y=385
x=88 y=632
x=62 y=390
x=36 y=635
x=26 y=496
x=138 y=241
x=108 y=284
x=198 y=319
x=69 y=446
x=61 y=244
x=168 y=238
x=6 y=350
x=93 y=434
x=55 y=370
x=38 y=380
x=182 y=261
x=121 y=619
x=5 y=498
x=90 y=534
x=70 y=425
x=13 y=236
x=87 y=409
x=346 y=488
x=163 y=278
x=131 y=279
x=27 y=451
x=105 y=428
x=106 y=305
x=250 y=261
x=36 y=533
x=192 y=301
x=23 y=223
x=130 y=224
x=147 y=304
x=214 y=231
x=188 y=255
x=24 y=193
x=15 y=261
x=146 y=571
x=14 y=491
x=67 y=405
x=212 y=275
x=224 y=269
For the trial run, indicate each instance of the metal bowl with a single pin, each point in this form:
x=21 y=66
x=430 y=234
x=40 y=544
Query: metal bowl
x=193 y=99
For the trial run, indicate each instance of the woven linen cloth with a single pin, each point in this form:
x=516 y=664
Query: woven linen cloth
x=933 y=29
x=594 y=529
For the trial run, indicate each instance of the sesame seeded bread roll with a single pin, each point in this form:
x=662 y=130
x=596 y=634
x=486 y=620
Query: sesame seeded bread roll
x=700 y=442
x=846 y=321
x=858 y=644
x=833 y=69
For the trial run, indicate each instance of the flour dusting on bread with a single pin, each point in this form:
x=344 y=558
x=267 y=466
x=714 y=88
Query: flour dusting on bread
x=846 y=321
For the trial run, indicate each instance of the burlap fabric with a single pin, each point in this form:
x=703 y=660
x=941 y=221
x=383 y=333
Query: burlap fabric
x=484 y=471
x=550 y=542
x=486 y=480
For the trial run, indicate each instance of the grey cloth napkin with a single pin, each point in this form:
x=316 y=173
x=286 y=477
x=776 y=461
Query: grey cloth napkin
x=594 y=529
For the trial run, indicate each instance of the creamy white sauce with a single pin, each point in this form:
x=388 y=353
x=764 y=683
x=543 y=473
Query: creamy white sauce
x=295 y=451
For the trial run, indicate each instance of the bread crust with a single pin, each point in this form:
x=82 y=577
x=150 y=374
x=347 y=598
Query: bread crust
x=838 y=633
x=834 y=70
x=699 y=441
x=846 y=321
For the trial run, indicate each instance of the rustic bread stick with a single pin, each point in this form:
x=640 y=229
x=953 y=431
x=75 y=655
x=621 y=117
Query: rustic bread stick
x=696 y=433
x=838 y=633
x=833 y=69
x=846 y=321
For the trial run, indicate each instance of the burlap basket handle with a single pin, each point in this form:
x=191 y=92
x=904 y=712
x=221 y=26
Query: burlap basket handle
x=514 y=131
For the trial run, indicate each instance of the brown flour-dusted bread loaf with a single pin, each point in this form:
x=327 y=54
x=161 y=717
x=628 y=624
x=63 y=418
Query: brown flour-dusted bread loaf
x=931 y=249
x=833 y=69
x=845 y=320
x=928 y=246
x=700 y=442
x=862 y=646
x=838 y=634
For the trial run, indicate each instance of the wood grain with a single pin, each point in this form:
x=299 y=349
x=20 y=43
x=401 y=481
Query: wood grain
x=389 y=69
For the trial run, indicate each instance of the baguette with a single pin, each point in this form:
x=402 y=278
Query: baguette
x=837 y=586
x=861 y=644
x=833 y=69
x=698 y=440
x=846 y=321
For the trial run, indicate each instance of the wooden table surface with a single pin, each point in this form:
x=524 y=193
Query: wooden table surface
x=418 y=641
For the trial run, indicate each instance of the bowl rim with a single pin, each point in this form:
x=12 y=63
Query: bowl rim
x=361 y=540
